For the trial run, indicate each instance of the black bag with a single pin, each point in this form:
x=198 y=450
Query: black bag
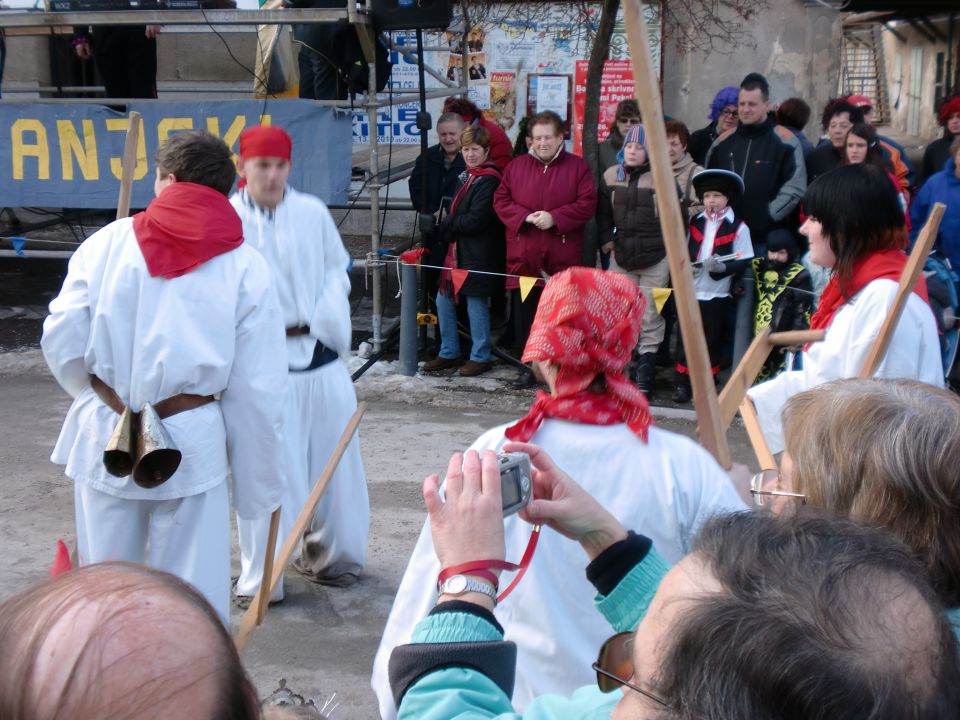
x=353 y=66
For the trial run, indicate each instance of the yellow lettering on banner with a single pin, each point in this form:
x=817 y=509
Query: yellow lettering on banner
x=169 y=125
x=660 y=296
x=233 y=132
x=116 y=163
x=526 y=285
x=265 y=120
x=38 y=149
x=85 y=151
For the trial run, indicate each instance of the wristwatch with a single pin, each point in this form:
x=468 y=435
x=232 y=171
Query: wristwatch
x=460 y=584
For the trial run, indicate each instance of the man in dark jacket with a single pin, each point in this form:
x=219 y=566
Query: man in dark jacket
x=767 y=156
x=433 y=183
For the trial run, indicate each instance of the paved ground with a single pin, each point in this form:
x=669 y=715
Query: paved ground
x=321 y=640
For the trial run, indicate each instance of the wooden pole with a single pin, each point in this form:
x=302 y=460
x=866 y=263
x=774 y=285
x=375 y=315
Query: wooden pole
x=911 y=273
x=250 y=618
x=263 y=600
x=646 y=88
x=743 y=376
x=752 y=423
x=129 y=164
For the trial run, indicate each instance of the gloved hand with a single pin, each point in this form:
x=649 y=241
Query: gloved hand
x=713 y=265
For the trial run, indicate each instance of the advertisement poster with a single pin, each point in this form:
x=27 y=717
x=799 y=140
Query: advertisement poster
x=616 y=84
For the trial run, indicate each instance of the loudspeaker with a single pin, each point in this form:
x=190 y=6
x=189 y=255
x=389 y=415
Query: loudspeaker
x=412 y=14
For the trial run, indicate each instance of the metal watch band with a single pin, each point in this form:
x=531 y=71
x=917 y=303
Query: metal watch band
x=460 y=584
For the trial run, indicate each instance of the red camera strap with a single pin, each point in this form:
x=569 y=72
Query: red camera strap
x=480 y=567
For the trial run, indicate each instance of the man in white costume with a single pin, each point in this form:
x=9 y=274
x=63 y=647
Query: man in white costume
x=298 y=238
x=171 y=308
x=597 y=427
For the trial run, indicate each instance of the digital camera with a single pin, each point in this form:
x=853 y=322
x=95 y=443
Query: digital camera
x=516 y=481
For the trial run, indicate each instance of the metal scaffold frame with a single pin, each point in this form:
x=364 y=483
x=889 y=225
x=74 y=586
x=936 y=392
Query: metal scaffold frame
x=356 y=16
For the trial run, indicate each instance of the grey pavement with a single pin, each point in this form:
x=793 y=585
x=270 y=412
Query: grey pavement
x=320 y=640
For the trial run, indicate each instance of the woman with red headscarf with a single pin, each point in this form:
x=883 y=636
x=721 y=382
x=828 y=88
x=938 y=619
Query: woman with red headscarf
x=596 y=425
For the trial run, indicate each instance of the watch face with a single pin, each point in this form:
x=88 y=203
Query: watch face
x=455 y=585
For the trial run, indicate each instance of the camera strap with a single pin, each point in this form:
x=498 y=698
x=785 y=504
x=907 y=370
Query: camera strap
x=480 y=567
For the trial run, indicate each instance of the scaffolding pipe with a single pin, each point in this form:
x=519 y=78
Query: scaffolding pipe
x=377 y=280
x=408 y=319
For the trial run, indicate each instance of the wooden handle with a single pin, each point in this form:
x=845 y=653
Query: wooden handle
x=711 y=429
x=796 y=337
x=752 y=423
x=254 y=615
x=129 y=164
x=264 y=599
x=908 y=279
x=743 y=376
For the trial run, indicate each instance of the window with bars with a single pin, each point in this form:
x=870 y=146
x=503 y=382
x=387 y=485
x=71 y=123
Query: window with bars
x=862 y=70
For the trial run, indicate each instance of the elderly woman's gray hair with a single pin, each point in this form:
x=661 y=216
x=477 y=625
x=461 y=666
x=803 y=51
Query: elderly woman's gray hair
x=885 y=452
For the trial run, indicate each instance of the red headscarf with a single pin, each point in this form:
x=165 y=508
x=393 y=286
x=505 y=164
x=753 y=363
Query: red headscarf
x=587 y=324
x=265 y=141
x=186 y=225
x=887 y=264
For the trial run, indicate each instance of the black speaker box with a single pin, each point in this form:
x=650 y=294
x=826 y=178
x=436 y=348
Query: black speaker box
x=412 y=14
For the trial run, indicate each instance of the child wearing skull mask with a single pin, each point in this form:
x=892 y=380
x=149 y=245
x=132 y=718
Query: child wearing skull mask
x=784 y=295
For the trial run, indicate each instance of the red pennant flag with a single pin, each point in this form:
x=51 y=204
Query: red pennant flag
x=459 y=278
x=412 y=257
x=61 y=563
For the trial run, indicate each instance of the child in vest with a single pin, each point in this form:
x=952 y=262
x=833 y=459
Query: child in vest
x=720 y=248
x=784 y=295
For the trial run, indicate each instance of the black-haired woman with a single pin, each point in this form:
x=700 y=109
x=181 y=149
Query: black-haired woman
x=856 y=229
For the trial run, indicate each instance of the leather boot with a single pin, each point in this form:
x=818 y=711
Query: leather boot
x=643 y=373
x=681 y=389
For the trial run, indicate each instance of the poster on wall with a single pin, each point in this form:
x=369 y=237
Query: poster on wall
x=616 y=84
x=509 y=43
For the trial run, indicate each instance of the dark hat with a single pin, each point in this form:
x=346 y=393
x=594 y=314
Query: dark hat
x=722 y=181
x=782 y=239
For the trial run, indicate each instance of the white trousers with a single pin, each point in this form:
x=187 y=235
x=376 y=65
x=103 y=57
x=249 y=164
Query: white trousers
x=188 y=537
x=318 y=407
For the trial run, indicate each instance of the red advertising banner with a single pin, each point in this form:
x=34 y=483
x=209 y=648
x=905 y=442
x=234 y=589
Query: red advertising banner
x=616 y=84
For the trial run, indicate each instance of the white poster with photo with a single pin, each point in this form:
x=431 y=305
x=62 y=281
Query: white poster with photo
x=553 y=94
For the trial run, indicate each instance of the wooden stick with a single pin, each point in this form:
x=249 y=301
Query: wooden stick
x=129 y=164
x=743 y=376
x=911 y=273
x=711 y=429
x=264 y=600
x=249 y=621
x=752 y=423
x=796 y=337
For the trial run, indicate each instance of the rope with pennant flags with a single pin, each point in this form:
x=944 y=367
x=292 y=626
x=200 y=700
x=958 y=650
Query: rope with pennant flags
x=527 y=283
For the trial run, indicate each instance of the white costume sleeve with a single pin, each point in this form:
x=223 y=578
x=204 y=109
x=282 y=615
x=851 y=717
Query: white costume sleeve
x=66 y=330
x=330 y=322
x=253 y=399
x=914 y=353
x=742 y=243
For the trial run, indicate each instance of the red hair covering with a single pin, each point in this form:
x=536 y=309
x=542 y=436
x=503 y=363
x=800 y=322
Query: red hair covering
x=265 y=141
x=950 y=107
x=587 y=324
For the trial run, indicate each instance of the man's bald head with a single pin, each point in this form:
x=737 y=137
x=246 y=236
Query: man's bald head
x=118 y=641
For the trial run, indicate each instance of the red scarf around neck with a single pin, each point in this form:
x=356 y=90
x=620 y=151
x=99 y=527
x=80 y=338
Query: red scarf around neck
x=485 y=168
x=185 y=226
x=883 y=265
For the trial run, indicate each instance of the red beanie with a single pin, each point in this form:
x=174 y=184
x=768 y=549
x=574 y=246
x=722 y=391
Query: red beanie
x=950 y=107
x=265 y=141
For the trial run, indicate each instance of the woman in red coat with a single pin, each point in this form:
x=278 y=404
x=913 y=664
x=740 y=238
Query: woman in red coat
x=501 y=149
x=545 y=199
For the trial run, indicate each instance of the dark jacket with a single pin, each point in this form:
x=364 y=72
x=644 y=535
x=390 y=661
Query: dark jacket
x=563 y=187
x=770 y=160
x=700 y=142
x=943 y=187
x=935 y=156
x=442 y=182
x=824 y=158
x=608 y=149
x=627 y=214
x=479 y=235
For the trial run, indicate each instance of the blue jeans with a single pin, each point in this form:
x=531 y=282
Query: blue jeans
x=478 y=310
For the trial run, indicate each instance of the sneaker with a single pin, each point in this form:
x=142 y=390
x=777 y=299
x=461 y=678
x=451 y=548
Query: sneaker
x=472 y=367
x=440 y=363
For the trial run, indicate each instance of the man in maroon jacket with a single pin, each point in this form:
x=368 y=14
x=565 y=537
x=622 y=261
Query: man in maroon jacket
x=545 y=199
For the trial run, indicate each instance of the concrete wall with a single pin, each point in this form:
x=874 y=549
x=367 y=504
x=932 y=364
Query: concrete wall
x=797 y=48
x=899 y=58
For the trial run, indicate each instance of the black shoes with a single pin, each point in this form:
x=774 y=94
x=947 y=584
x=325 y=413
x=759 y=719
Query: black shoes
x=524 y=380
x=681 y=388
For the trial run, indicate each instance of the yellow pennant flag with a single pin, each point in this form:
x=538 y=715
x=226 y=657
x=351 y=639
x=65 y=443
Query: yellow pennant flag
x=660 y=296
x=526 y=285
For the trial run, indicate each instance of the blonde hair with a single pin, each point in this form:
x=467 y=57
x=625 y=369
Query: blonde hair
x=884 y=452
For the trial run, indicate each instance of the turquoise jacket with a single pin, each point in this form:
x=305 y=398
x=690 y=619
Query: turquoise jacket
x=462 y=693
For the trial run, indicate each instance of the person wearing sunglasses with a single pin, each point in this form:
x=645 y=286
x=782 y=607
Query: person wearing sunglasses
x=768 y=617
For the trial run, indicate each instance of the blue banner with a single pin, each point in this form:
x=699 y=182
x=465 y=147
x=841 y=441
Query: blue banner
x=70 y=155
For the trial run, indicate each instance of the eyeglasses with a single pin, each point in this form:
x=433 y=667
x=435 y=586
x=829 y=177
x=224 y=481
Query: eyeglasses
x=615 y=663
x=729 y=113
x=765 y=485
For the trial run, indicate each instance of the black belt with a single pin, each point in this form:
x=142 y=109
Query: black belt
x=322 y=355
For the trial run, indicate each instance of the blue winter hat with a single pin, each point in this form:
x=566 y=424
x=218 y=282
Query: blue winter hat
x=636 y=134
x=728 y=96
